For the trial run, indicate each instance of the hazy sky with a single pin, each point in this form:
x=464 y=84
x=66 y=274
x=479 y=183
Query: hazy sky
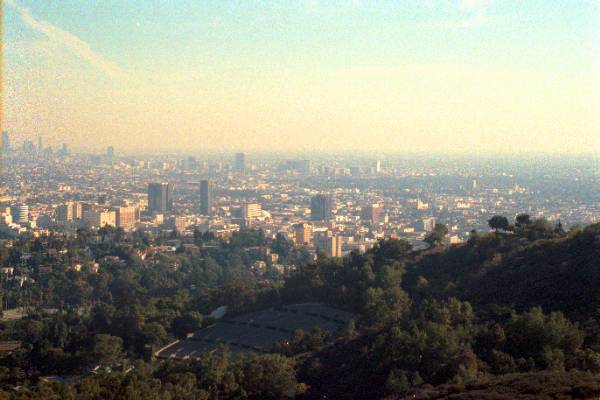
x=395 y=76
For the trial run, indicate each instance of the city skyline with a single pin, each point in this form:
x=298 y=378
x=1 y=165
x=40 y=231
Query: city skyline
x=467 y=76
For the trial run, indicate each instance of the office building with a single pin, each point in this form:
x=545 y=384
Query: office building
x=28 y=147
x=251 y=211
x=206 y=197
x=160 y=197
x=328 y=243
x=301 y=166
x=110 y=152
x=321 y=207
x=5 y=142
x=127 y=217
x=428 y=224
x=240 y=163
x=85 y=208
x=20 y=213
x=373 y=213
x=68 y=212
x=100 y=217
x=303 y=234
x=5 y=216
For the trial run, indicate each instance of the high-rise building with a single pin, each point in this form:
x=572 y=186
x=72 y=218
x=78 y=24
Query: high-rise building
x=65 y=212
x=240 y=163
x=428 y=224
x=377 y=167
x=373 y=213
x=160 y=197
x=302 y=166
x=5 y=142
x=321 y=207
x=303 y=233
x=191 y=163
x=69 y=211
x=64 y=150
x=85 y=208
x=251 y=210
x=5 y=216
x=110 y=152
x=20 y=213
x=206 y=197
x=328 y=243
x=28 y=147
x=100 y=217
x=127 y=217
x=422 y=205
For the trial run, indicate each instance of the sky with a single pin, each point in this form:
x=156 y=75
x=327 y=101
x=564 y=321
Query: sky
x=437 y=76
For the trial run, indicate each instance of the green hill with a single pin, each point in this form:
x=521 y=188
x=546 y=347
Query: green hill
x=556 y=274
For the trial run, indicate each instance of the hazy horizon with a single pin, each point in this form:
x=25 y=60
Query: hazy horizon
x=432 y=77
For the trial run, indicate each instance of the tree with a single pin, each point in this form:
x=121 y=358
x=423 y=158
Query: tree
x=437 y=235
x=498 y=222
x=281 y=246
x=107 y=348
x=384 y=307
x=522 y=220
x=186 y=323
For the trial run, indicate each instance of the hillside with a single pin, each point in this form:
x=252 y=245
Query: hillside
x=557 y=274
x=507 y=315
x=541 y=385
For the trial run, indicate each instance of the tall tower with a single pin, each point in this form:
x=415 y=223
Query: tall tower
x=206 y=197
x=240 y=163
x=321 y=207
x=40 y=145
x=5 y=143
x=160 y=197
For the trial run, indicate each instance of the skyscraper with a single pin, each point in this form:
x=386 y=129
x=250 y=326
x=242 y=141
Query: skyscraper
x=321 y=207
x=69 y=211
x=110 y=152
x=328 y=243
x=251 y=211
x=428 y=224
x=373 y=213
x=377 y=167
x=100 y=218
x=40 y=145
x=20 y=213
x=28 y=147
x=5 y=142
x=303 y=233
x=127 y=217
x=160 y=197
x=206 y=197
x=240 y=163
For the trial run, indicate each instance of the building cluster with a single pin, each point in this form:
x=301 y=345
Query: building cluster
x=330 y=206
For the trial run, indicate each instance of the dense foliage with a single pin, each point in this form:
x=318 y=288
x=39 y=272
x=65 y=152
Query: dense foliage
x=516 y=305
